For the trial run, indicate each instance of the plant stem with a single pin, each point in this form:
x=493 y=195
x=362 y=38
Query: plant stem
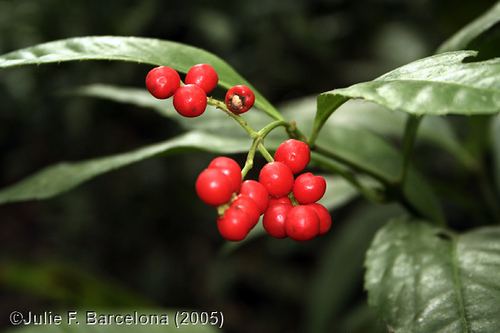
x=271 y=126
x=221 y=106
x=251 y=155
x=265 y=153
x=410 y=134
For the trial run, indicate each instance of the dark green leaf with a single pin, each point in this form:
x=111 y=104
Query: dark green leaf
x=341 y=267
x=437 y=85
x=132 y=49
x=378 y=158
x=463 y=38
x=425 y=279
x=62 y=177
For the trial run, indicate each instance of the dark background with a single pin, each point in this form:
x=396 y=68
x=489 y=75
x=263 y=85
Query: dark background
x=139 y=236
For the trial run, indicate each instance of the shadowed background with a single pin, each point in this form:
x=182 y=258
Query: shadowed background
x=139 y=236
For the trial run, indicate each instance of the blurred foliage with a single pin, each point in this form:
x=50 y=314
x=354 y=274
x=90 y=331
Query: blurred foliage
x=142 y=227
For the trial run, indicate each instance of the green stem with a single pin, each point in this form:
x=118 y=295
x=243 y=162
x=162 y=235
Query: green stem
x=410 y=134
x=251 y=155
x=265 y=153
x=271 y=126
x=221 y=106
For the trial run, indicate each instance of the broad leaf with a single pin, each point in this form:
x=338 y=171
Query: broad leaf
x=62 y=177
x=332 y=289
x=495 y=143
x=83 y=325
x=425 y=279
x=437 y=85
x=463 y=38
x=132 y=49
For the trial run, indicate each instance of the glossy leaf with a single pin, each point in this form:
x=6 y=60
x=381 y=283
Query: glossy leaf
x=437 y=85
x=331 y=288
x=425 y=279
x=495 y=143
x=62 y=177
x=131 y=49
x=465 y=36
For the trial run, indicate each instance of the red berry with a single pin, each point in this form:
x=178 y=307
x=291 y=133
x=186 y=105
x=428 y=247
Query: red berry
x=234 y=225
x=204 y=76
x=302 y=223
x=274 y=220
x=190 y=100
x=294 y=153
x=239 y=99
x=309 y=188
x=325 y=220
x=213 y=187
x=280 y=201
x=277 y=178
x=248 y=206
x=230 y=168
x=257 y=192
x=162 y=82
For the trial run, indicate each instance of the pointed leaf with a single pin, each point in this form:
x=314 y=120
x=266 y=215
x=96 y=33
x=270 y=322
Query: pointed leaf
x=132 y=49
x=437 y=85
x=62 y=177
x=425 y=279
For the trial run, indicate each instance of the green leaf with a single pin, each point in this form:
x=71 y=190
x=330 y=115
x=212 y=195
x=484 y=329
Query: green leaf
x=110 y=326
x=437 y=85
x=378 y=158
x=332 y=288
x=425 y=279
x=62 y=177
x=133 y=49
x=495 y=143
x=465 y=36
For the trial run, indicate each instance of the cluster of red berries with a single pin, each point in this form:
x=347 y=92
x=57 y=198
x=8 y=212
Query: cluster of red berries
x=300 y=218
x=190 y=99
